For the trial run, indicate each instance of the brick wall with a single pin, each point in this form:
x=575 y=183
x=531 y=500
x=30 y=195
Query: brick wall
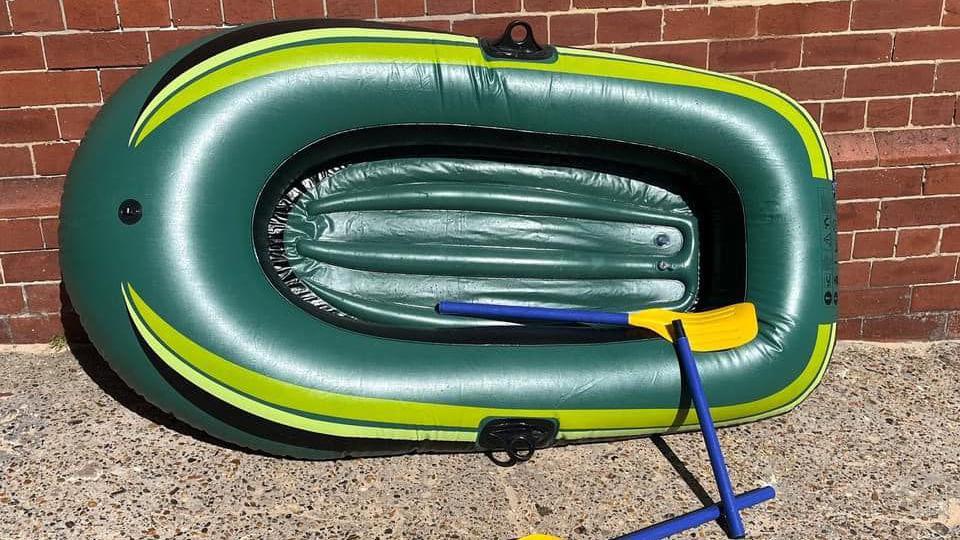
x=881 y=76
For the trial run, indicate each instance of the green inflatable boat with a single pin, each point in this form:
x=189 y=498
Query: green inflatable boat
x=258 y=226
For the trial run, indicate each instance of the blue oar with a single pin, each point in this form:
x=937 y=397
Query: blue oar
x=723 y=328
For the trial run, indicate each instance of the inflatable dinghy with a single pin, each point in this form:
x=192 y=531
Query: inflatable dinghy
x=258 y=226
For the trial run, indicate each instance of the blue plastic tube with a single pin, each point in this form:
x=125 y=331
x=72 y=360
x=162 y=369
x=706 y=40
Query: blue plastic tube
x=688 y=367
x=696 y=518
x=521 y=313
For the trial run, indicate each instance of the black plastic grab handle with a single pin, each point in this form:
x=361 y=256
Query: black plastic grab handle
x=524 y=48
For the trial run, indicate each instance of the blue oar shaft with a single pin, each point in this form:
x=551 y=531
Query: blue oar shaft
x=522 y=313
x=688 y=366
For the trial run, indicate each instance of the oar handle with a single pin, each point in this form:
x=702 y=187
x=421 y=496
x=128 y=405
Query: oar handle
x=523 y=313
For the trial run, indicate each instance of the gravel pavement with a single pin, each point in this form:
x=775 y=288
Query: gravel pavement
x=874 y=453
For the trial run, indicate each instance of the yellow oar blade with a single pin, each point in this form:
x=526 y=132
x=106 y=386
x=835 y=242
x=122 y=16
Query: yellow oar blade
x=722 y=328
x=539 y=537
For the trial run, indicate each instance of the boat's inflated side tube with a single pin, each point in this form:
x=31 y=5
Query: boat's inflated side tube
x=256 y=226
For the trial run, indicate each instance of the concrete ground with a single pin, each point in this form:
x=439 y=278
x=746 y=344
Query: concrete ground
x=874 y=453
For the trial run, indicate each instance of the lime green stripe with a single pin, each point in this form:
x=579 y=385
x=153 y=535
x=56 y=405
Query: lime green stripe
x=222 y=376
x=282 y=40
x=188 y=89
x=279 y=416
x=796 y=106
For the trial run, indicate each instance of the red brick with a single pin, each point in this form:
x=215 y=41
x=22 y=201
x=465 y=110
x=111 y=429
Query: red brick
x=43 y=297
x=874 y=302
x=245 y=11
x=96 y=50
x=27 y=125
x=933 y=110
x=15 y=161
x=297 y=9
x=20 y=235
x=688 y=54
x=913 y=271
x=920 y=211
x=51 y=233
x=843 y=115
x=75 y=120
x=919 y=146
x=30 y=197
x=872 y=14
x=714 y=23
x=953 y=319
x=950 y=243
x=876 y=183
x=144 y=13
x=951 y=13
x=450 y=7
x=755 y=54
x=844 y=246
x=496 y=6
x=673 y=2
x=54 y=159
x=112 y=79
x=854 y=216
x=48 y=88
x=901 y=327
x=839 y=50
x=493 y=27
x=803 y=18
x=195 y=12
x=20 y=52
x=35 y=328
x=351 y=9
x=849 y=150
x=914 y=242
x=441 y=25
x=573 y=29
x=948 y=77
x=400 y=8
x=36 y=15
x=942 y=180
x=628 y=26
x=165 y=41
x=854 y=276
x=849 y=328
x=4 y=19
x=90 y=14
x=928 y=45
x=889 y=80
x=806 y=84
x=536 y=5
x=11 y=300
x=871 y=244
x=814 y=109
x=606 y=3
x=30 y=266
x=888 y=112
